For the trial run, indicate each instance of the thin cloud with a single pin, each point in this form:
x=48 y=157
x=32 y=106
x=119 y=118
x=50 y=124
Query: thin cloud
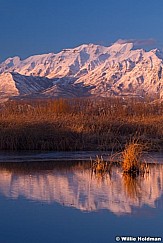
x=138 y=42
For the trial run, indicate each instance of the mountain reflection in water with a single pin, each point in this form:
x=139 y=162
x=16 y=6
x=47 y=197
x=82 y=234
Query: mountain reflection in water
x=73 y=184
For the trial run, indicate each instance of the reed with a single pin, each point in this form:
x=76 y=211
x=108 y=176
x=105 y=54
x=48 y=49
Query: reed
x=79 y=124
x=131 y=158
x=99 y=165
x=100 y=168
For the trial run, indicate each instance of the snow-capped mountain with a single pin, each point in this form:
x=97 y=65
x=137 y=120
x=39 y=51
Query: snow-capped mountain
x=85 y=70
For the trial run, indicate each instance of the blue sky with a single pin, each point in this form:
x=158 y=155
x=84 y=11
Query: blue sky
x=40 y=26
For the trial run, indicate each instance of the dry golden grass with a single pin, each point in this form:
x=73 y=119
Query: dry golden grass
x=79 y=124
x=132 y=158
x=99 y=165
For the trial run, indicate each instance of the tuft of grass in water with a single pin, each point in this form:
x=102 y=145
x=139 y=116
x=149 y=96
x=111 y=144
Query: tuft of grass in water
x=132 y=162
x=99 y=166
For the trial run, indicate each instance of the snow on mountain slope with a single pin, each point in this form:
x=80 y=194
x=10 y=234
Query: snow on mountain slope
x=14 y=84
x=66 y=88
x=10 y=63
x=29 y=84
x=7 y=85
x=139 y=74
x=66 y=63
x=114 y=70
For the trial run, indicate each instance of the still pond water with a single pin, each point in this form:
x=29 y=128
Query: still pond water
x=64 y=202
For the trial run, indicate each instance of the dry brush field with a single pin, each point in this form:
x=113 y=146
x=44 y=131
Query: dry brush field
x=80 y=124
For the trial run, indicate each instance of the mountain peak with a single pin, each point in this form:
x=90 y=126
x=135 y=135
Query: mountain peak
x=121 y=47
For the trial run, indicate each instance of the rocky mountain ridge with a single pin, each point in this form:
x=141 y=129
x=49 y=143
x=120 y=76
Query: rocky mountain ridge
x=117 y=70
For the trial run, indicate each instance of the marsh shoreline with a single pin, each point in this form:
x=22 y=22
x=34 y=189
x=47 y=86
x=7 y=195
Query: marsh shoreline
x=76 y=156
